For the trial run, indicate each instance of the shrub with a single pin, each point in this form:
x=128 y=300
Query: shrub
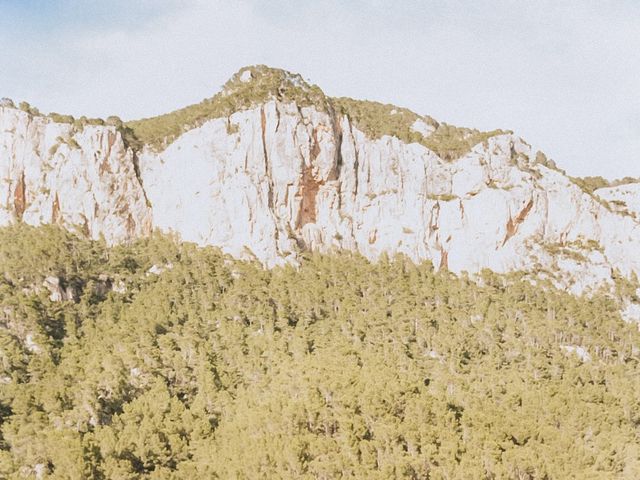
x=444 y=197
x=58 y=118
x=7 y=102
x=26 y=107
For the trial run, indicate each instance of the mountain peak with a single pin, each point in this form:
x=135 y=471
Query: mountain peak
x=256 y=84
x=265 y=78
x=248 y=87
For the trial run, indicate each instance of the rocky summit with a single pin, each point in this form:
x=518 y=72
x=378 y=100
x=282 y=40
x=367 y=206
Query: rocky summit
x=271 y=167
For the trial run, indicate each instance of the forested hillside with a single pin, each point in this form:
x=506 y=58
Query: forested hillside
x=160 y=359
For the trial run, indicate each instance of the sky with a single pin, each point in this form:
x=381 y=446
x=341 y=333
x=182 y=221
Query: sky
x=563 y=75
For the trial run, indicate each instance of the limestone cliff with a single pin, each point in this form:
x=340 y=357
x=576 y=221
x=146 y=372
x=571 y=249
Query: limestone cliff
x=282 y=175
x=82 y=179
x=622 y=198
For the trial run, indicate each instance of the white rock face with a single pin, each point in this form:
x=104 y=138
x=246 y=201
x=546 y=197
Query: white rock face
x=56 y=292
x=580 y=351
x=422 y=127
x=246 y=76
x=31 y=345
x=290 y=179
x=623 y=197
x=84 y=180
x=269 y=182
x=631 y=313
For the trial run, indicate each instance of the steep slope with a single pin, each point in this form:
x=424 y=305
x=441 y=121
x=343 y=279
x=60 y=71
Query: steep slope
x=270 y=167
x=622 y=197
x=81 y=178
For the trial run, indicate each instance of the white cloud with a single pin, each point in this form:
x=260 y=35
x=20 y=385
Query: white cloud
x=563 y=75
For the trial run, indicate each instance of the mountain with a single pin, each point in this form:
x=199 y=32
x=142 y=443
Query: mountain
x=271 y=167
x=140 y=356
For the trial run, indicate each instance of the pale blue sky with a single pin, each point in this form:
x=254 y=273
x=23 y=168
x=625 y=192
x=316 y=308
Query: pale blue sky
x=563 y=75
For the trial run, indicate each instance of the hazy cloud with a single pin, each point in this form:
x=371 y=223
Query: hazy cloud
x=561 y=74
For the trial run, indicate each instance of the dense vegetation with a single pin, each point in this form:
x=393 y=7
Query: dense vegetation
x=341 y=368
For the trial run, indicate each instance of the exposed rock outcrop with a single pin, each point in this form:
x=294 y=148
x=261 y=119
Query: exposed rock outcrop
x=493 y=208
x=83 y=179
x=270 y=180
x=622 y=198
x=57 y=292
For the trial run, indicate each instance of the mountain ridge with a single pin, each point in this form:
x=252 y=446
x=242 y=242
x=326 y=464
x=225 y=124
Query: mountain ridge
x=293 y=171
x=257 y=84
x=133 y=131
